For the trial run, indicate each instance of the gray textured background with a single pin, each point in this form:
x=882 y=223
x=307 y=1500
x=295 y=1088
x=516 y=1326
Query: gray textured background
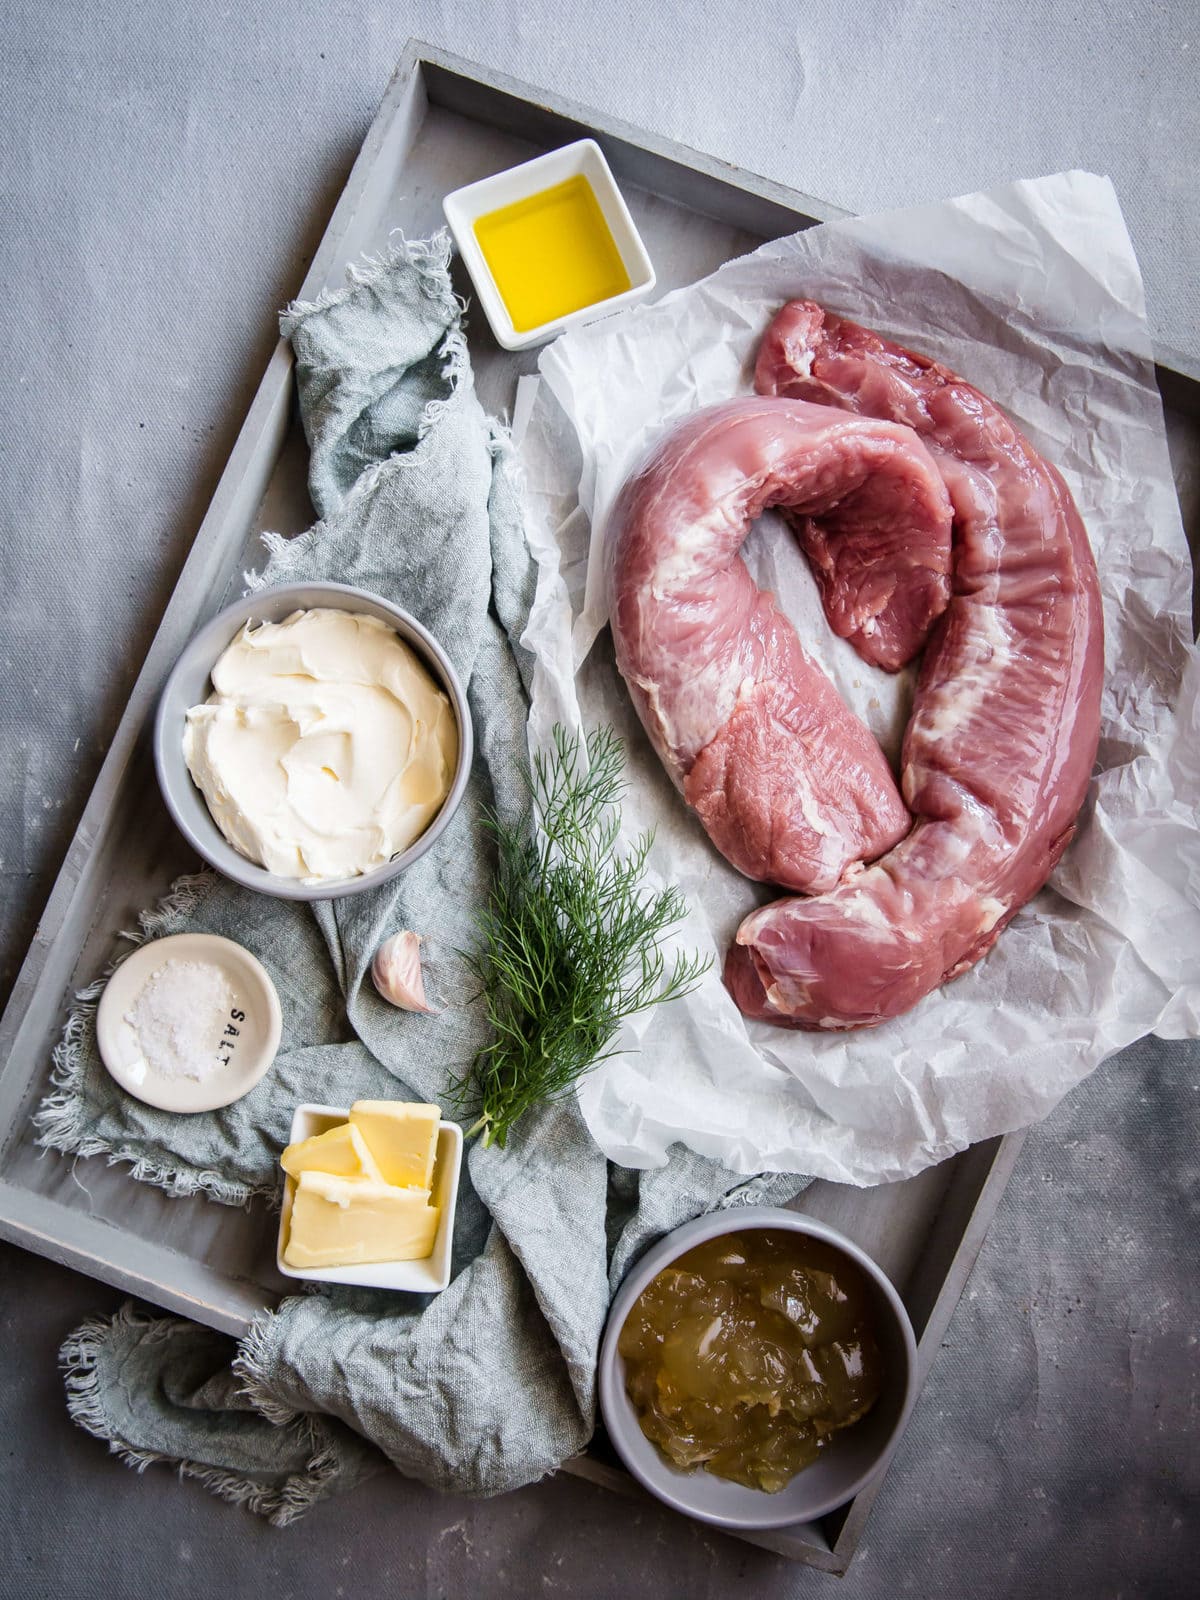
x=167 y=172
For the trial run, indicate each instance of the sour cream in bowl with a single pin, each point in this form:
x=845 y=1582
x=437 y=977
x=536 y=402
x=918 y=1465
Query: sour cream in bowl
x=312 y=741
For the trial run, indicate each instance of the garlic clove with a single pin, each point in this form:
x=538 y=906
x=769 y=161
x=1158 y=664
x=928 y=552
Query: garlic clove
x=396 y=973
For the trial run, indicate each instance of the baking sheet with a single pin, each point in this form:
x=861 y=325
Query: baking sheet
x=1033 y=293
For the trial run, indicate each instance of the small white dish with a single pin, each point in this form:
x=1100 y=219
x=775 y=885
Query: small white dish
x=249 y=1042
x=429 y=1276
x=585 y=159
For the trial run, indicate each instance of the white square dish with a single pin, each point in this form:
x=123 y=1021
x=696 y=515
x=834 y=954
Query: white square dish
x=585 y=159
x=428 y=1276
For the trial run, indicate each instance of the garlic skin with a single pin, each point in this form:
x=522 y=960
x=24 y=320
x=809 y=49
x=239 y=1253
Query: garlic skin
x=396 y=973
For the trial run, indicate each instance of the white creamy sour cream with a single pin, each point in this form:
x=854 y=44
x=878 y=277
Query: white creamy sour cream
x=325 y=748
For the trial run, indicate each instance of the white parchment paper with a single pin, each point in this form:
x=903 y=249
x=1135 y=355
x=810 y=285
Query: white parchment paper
x=1033 y=293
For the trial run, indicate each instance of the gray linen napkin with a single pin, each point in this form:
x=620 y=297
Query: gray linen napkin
x=491 y=1384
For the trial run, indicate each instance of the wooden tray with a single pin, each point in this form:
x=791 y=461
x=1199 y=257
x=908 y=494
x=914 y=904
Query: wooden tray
x=442 y=123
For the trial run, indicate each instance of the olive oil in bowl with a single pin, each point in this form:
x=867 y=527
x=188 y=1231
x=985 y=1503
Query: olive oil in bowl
x=549 y=245
x=551 y=254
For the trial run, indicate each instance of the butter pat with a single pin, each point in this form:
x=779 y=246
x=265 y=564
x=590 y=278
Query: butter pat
x=342 y=1151
x=349 y=1221
x=402 y=1137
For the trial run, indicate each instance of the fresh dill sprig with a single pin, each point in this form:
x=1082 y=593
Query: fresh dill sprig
x=568 y=940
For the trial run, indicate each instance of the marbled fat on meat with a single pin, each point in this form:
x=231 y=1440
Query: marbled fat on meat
x=1005 y=724
x=789 y=783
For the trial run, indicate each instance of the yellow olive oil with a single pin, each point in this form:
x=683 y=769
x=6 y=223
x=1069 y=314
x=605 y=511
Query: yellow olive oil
x=551 y=254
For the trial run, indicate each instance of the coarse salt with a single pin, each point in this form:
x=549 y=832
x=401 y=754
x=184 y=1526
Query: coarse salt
x=179 y=1017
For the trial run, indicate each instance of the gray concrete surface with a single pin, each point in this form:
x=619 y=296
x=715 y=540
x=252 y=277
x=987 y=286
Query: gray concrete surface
x=166 y=175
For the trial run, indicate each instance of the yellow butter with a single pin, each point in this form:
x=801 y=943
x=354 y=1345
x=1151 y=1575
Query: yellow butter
x=348 y=1222
x=341 y=1150
x=401 y=1136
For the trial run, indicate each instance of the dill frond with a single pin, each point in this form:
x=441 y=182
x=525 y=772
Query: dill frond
x=568 y=940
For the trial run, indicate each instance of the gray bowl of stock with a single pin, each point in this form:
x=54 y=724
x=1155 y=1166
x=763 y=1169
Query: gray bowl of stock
x=189 y=685
x=852 y=1457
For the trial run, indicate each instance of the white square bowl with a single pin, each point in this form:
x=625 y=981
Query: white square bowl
x=583 y=159
x=429 y=1276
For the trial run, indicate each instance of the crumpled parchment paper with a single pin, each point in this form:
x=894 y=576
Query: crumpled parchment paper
x=1033 y=293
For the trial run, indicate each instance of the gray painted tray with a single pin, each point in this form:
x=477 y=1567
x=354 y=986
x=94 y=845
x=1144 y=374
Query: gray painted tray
x=442 y=123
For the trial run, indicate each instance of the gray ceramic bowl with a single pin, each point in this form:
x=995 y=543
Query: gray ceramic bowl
x=188 y=685
x=846 y=1464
